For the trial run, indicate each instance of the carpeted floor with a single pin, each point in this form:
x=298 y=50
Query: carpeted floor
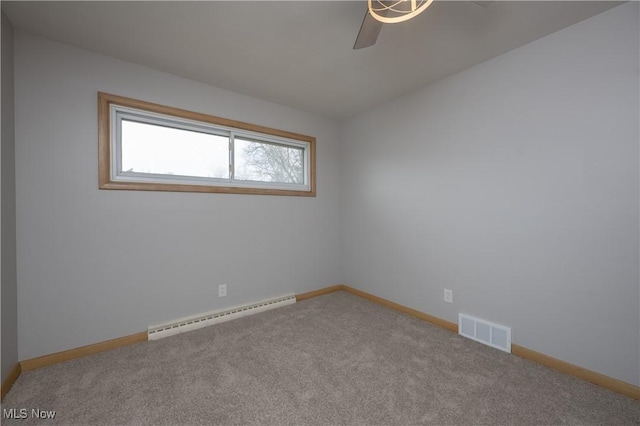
x=334 y=359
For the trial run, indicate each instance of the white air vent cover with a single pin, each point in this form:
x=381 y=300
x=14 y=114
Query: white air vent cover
x=203 y=320
x=494 y=335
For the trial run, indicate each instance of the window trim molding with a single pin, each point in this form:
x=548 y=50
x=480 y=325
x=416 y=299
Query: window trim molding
x=105 y=181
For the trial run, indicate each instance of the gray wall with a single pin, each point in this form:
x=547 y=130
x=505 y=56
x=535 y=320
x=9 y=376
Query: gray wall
x=514 y=183
x=95 y=265
x=8 y=204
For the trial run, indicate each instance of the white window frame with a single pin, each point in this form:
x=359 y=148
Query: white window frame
x=114 y=109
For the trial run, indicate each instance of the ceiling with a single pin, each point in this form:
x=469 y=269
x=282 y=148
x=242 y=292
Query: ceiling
x=299 y=53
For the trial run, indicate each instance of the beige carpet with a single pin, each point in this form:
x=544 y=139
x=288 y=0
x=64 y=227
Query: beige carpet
x=336 y=359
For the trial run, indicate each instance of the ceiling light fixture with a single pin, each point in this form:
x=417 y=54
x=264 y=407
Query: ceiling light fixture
x=394 y=11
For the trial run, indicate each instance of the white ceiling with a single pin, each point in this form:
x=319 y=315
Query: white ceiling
x=299 y=53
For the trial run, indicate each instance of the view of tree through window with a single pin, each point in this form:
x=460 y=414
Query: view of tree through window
x=267 y=162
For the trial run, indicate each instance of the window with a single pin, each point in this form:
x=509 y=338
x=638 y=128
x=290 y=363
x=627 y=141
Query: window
x=144 y=146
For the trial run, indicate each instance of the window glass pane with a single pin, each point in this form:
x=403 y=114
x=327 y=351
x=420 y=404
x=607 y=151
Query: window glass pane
x=265 y=162
x=150 y=148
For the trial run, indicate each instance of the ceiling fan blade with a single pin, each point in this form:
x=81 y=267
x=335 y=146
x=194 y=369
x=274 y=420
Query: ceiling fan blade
x=368 y=33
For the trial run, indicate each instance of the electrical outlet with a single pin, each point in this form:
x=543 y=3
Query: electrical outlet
x=222 y=290
x=448 y=295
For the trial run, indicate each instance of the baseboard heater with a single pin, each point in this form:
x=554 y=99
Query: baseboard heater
x=204 y=320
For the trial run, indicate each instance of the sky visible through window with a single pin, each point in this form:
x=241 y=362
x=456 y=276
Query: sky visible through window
x=148 y=148
x=154 y=149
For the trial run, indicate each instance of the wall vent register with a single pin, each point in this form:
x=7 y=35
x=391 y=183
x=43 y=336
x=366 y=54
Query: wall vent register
x=488 y=333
